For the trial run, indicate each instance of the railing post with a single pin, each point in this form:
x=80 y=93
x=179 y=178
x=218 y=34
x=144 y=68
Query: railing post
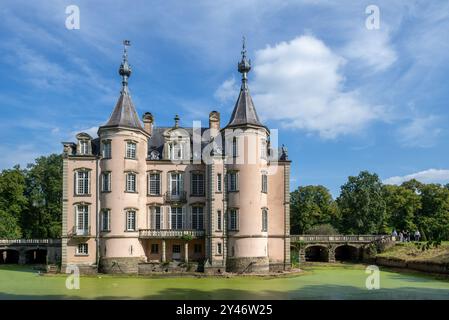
x=164 y=257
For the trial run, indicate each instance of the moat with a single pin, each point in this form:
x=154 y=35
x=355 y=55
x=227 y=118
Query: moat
x=338 y=281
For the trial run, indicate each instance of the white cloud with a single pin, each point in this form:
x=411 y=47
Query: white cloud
x=419 y=132
x=227 y=91
x=300 y=84
x=426 y=176
x=372 y=48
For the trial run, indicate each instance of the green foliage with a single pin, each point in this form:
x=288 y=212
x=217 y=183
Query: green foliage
x=44 y=192
x=12 y=202
x=402 y=204
x=310 y=206
x=186 y=237
x=362 y=206
x=322 y=229
x=423 y=246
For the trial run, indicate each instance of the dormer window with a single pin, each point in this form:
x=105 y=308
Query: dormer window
x=131 y=148
x=176 y=151
x=84 y=147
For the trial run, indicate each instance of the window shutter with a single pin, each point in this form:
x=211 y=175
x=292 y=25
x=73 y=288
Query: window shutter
x=75 y=184
x=184 y=218
x=169 y=213
x=88 y=181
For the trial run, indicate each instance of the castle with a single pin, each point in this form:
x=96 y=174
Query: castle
x=141 y=198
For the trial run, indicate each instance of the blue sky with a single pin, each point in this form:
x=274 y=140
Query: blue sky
x=344 y=98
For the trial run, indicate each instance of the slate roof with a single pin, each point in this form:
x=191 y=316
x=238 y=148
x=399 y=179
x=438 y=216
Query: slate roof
x=124 y=114
x=244 y=111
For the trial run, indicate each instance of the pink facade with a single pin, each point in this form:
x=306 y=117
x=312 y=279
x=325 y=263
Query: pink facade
x=139 y=194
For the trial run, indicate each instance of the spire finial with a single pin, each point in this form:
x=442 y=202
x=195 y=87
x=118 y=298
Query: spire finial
x=125 y=68
x=176 y=121
x=244 y=65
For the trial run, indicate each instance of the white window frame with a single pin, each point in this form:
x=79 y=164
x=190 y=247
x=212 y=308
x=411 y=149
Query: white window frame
x=84 y=147
x=197 y=183
x=235 y=147
x=219 y=182
x=264 y=183
x=154 y=184
x=106 y=181
x=264 y=220
x=176 y=150
x=155 y=212
x=82 y=184
x=233 y=181
x=131 y=150
x=82 y=249
x=263 y=149
x=131 y=185
x=178 y=182
x=233 y=219
x=82 y=219
x=219 y=220
x=197 y=217
x=177 y=218
x=106 y=149
x=105 y=220
x=131 y=220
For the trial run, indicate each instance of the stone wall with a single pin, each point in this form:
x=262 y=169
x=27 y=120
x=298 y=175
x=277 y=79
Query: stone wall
x=424 y=266
x=169 y=267
x=120 y=265
x=248 y=265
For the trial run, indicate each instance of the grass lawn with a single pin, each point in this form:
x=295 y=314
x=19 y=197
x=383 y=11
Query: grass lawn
x=408 y=251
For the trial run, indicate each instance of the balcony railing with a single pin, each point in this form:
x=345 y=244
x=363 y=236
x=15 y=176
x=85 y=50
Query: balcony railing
x=339 y=238
x=181 y=196
x=170 y=233
x=77 y=233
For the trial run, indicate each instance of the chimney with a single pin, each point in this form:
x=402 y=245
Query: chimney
x=148 y=121
x=214 y=120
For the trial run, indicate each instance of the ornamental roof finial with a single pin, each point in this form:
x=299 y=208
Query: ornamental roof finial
x=125 y=68
x=244 y=65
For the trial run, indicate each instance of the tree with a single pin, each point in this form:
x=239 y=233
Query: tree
x=310 y=206
x=402 y=205
x=44 y=192
x=433 y=217
x=361 y=205
x=12 y=202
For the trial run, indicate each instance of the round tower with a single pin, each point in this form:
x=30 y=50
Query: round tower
x=122 y=180
x=246 y=171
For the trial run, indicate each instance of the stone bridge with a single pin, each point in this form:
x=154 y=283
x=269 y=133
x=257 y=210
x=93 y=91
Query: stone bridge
x=30 y=251
x=335 y=247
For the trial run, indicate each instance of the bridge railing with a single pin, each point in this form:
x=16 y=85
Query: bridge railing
x=30 y=241
x=339 y=238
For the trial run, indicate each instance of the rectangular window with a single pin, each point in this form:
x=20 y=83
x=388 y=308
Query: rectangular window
x=131 y=150
x=197 y=248
x=176 y=151
x=264 y=220
x=82 y=219
x=106 y=220
x=263 y=149
x=82 y=182
x=84 y=147
x=219 y=248
x=219 y=187
x=197 y=184
x=219 y=220
x=176 y=218
x=176 y=248
x=154 y=184
x=107 y=149
x=234 y=147
x=198 y=218
x=232 y=181
x=130 y=182
x=264 y=183
x=106 y=181
x=82 y=249
x=154 y=248
x=157 y=218
x=131 y=220
x=233 y=219
x=176 y=184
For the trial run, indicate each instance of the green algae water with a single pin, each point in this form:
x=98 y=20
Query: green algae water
x=316 y=282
